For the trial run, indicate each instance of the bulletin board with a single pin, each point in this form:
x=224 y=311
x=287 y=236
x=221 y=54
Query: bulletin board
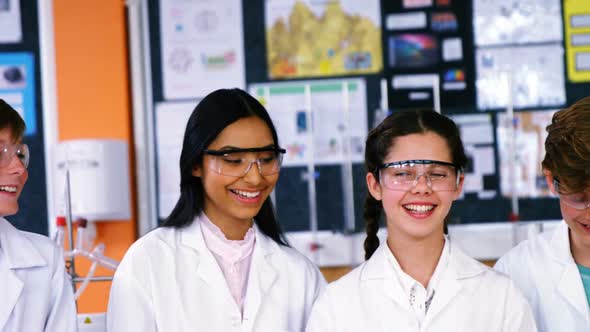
x=20 y=86
x=418 y=40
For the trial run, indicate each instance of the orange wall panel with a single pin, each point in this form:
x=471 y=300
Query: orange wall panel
x=93 y=97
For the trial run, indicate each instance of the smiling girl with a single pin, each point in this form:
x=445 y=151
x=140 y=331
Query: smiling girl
x=418 y=279
x=220 y=263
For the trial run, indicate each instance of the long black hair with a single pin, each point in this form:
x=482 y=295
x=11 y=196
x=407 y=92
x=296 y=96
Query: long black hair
x=382 y=138
x=216 y=111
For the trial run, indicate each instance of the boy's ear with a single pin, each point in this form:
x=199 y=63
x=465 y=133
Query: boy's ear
x=549 y=179
x=374 y=186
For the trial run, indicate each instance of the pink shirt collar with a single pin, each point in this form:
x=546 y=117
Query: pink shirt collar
x=234 y=257
x=230 y=250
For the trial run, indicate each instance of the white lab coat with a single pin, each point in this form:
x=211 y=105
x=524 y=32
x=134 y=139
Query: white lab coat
x=469 y=297
x=170 y=281
x=544 y=269
x=35 y=292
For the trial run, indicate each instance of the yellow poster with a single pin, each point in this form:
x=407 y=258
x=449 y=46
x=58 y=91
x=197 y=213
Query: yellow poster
x=577 y=39
x=307 y=38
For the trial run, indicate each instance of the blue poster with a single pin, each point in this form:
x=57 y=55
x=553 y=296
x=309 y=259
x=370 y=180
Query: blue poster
x=17 y=86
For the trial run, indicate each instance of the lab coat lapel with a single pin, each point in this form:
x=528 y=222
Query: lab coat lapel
x=261 y=278
x=380 y=277
x=16 y=252
x=381 y=268
x=570 y=285
x=12 y=288
x=460 y=267
x=572 y=290
x=207 y=268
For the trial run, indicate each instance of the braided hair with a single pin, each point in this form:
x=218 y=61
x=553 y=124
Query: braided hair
x=382 y=138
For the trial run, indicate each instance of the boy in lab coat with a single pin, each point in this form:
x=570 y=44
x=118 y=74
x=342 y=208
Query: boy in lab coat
x=553 y=269
x=35 y=292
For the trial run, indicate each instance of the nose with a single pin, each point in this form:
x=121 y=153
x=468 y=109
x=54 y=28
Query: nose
x=253 y=173
x=422 y=186
x=16 y=166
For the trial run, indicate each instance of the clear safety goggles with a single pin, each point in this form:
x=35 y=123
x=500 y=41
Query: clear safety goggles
x=8 y=151
x=404 y=175
x=237 y=162
x=579 y=201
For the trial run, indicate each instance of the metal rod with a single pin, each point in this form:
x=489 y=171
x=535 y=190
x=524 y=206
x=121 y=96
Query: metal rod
x=68 y=204
x=273 y=194
x=346 y=167
x=512 y=147
x=311 y=190
x=99 y=278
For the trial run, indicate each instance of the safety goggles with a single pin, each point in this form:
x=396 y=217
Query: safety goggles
x=237 y=162
x=404 y=175
x=8 y=151
x=579 y=201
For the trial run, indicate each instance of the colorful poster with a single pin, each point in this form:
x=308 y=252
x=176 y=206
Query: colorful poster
x=334 y=129
x=500 y=22
x=577 y=39
x=17 y=86
x=413 y=51
x=202 y=47
x=10 y=22
x=444 y=22
x=525 y=174
x=306 y=38
x=536 y=71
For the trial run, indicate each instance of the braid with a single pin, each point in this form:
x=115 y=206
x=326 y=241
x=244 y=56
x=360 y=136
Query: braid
x=371 y=215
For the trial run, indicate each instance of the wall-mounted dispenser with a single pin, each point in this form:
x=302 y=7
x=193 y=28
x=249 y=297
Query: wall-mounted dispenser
x=99 y=178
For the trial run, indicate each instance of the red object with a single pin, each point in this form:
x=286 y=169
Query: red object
x=513 y=217
x=82 y=222
x=60 y=221
x=315 y=246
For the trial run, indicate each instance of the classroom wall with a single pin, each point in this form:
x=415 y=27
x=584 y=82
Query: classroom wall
x=93 y=101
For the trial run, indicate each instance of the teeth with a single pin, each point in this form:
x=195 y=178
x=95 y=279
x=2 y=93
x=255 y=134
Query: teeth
x=8 y=189
x=419 y=208
x=248 y=194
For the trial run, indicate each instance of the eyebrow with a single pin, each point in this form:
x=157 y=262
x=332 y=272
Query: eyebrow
x=231 y=147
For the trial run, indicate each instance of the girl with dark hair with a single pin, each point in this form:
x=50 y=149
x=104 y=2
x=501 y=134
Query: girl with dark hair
x=418 y=279
x=220 y=262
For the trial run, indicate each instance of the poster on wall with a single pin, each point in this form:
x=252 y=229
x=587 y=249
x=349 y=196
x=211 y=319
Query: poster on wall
x=10 y=22
x=536 y=71
x=525 y=175
x=171 y=119
x=337 y=124
x=501 y=22
x=17 y=86
x=306 y=38
x=202 y=47
x=432 y=47
x=577 y=39
x=477 y=134
x=409 y=51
